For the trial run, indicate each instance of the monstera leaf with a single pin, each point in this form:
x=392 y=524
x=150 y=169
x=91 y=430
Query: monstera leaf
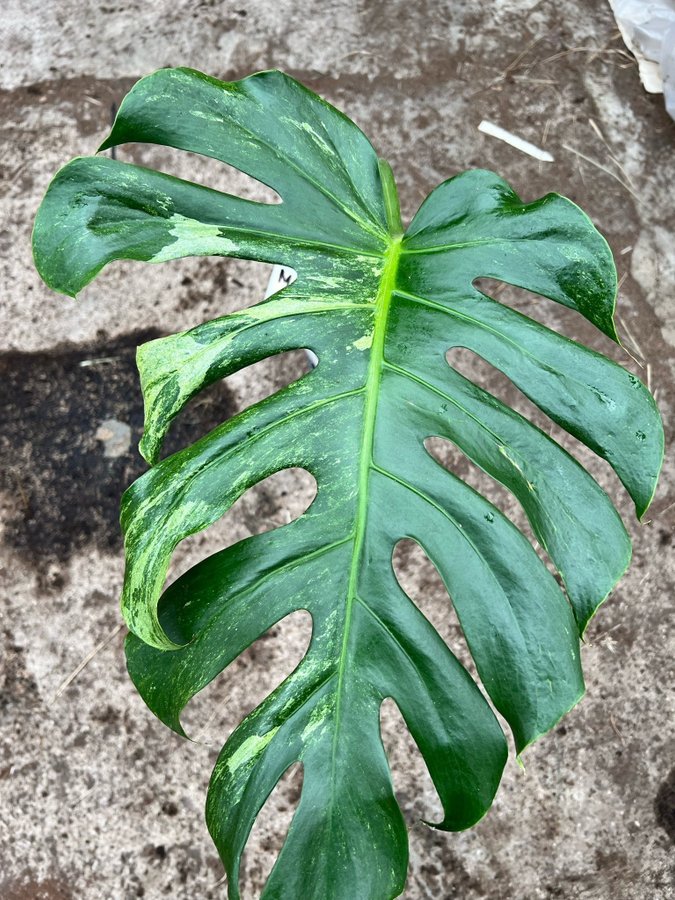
x=380 y=308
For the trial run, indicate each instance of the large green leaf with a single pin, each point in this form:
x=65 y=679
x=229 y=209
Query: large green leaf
x=380 y=309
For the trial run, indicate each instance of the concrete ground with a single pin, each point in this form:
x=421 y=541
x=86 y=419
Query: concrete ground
x=97 y=799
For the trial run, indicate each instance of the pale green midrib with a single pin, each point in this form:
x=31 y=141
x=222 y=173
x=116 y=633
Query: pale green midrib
x=391 y=203
x=372 y=390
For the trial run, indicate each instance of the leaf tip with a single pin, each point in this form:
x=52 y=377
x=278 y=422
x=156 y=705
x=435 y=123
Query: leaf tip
x=148 y=447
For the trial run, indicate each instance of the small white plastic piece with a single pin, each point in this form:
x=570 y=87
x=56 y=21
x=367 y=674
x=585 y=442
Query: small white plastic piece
x=281 y=277
x=519 y=143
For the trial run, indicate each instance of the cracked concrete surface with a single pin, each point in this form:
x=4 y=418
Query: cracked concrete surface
x=97 y=799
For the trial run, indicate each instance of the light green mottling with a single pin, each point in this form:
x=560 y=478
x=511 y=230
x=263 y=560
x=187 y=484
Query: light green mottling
x=318 y=140
x=249 y=749
x=380 y=308
x=191 y=236
x=320 y=716
x=364 y=343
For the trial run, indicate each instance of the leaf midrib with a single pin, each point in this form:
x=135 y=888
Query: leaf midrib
x=372 y=392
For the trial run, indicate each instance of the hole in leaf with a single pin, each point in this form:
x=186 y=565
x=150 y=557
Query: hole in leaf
x=493 y=380
x=567 y=322
x=215 y=712
x=269 y=831
x=244 y=388
x=267 y=376
x=202 y=170
x=452 y=458
x=280 y=277
x=273 y=502
x=421 y=581
x=207 y=287
x=446 y=453
x=415 y=791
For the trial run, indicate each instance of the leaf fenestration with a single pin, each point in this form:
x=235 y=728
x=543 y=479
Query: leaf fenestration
x=380 y=307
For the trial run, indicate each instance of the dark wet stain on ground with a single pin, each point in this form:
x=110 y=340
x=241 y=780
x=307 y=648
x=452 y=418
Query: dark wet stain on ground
x=61 y=491
x=29 y=889
x=18 y=687
x=664 y=805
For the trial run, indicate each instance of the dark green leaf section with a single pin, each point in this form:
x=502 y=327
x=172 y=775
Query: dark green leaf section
x=98 y=210
x=549 y=247
x=380 y=310
x=551 y=250
x=275 y=130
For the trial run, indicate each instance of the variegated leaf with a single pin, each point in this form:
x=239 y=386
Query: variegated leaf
x=380 y=308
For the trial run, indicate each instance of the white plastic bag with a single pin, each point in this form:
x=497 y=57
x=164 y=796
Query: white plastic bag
x=648 y=28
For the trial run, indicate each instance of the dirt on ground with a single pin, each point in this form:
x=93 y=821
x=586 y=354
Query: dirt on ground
x=98 y=801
